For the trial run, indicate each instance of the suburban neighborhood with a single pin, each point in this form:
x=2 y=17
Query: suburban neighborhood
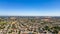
x=29 y=25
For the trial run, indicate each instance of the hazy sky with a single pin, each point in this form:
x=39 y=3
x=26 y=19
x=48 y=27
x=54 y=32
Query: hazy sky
x=30 y=7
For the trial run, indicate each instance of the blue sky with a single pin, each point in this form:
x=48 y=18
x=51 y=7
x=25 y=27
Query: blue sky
x=30 y=7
